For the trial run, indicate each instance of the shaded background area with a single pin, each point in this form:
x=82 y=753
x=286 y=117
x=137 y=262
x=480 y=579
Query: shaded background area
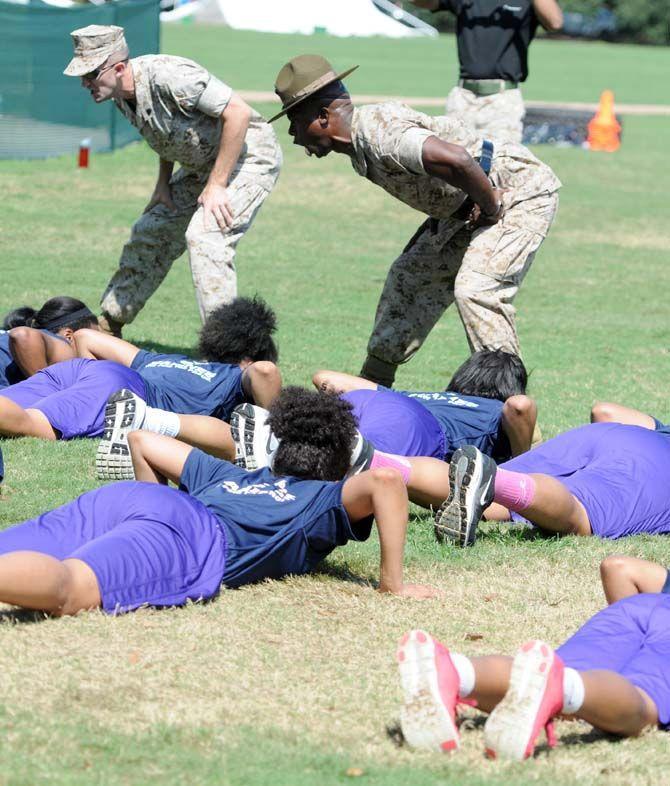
x=42 y=111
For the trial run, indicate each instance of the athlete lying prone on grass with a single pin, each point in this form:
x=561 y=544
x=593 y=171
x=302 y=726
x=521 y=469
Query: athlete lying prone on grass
x=611 y=673
x=69 y=399
x=605 y=479
x=135 y=543
x=485 y=404
x=31 y=340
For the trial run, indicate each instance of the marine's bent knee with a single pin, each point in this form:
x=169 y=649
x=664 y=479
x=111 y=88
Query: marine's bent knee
x=482 y=291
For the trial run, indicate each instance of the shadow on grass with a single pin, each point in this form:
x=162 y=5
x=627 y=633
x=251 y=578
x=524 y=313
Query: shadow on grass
x=476 y=722
x=343 y=573
x=22 y=617
x=505 y=532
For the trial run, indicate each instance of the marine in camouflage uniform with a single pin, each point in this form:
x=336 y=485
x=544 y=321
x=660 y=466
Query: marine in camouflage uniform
x=481 y=268
x=177 y=106
x=451 y=257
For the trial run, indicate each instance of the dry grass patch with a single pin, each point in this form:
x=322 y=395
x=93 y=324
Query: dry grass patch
x=313 y=657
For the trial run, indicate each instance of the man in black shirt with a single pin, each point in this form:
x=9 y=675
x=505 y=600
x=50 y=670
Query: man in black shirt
x=493 y=38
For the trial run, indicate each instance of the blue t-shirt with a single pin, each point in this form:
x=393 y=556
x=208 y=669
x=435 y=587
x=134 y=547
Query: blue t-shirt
x=467 y=420
x=2 y=468
x=662 y=428
x=179 y=384
x=274 y=525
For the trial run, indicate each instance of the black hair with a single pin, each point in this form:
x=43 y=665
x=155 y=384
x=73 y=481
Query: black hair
x=490 y=373
x=331 y=92
x=316 y=432
x=322 y=98
x=18 y=317
x=56 y=313
x=239 y=330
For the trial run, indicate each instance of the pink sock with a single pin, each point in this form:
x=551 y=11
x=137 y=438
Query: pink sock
x=380 y=459
x=514 y=490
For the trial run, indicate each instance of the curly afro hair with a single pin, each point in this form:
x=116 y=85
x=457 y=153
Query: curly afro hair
x=316 y=431
x=239 y=330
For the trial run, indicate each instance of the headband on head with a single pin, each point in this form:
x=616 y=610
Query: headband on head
x=68 y=319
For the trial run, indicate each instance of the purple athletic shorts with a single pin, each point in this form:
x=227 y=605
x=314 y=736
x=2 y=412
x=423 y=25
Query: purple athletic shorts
x=72 y=394
x=147 y=544
x=396 y=424
x=632 y=638
x=621 y=474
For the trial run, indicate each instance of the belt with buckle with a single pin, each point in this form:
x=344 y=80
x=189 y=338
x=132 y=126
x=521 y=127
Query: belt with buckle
x=487 y=87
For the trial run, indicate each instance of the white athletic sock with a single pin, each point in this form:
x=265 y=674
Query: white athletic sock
x=466 y=673
x=159 y=421
x=573 y=691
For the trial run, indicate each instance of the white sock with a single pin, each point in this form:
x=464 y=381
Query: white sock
x=466 y=673
x=159 y=421
x=573 y=691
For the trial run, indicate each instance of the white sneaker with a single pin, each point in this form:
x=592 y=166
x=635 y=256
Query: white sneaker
x=471 y=488
x=124 y=413
x=255 y=444
x=361 y=456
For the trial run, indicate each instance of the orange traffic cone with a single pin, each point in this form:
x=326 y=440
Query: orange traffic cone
x=604 y=130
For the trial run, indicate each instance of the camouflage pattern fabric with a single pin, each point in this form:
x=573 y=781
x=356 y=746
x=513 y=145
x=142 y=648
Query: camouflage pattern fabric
x=498 y=116
x=482 y=269
x=177 y=110
x=159 y=237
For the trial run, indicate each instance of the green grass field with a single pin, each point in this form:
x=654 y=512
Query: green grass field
x=293 y=682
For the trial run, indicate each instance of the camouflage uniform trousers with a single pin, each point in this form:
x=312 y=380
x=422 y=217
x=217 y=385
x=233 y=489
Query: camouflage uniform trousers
x=498 y=116
x=480 y=270
x=160 y=236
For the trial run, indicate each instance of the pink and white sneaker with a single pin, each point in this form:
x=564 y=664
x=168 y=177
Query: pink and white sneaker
x=533 y=699
x=430 y=683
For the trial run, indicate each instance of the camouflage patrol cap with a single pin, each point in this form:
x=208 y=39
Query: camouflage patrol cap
x=303 y=76
x=92 y=46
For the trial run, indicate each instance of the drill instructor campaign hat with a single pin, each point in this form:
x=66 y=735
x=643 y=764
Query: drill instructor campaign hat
x=301 y=77
x=92 y=46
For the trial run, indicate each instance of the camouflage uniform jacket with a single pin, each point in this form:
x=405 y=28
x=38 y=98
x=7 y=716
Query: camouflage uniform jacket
x=388 y=141
x=178 y=105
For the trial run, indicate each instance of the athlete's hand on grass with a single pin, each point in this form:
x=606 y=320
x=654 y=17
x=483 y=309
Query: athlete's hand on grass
x=162 y=196
x=214 y=200
x=419 y=592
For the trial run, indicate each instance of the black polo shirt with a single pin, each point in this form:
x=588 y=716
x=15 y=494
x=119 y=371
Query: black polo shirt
x=493 y=37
